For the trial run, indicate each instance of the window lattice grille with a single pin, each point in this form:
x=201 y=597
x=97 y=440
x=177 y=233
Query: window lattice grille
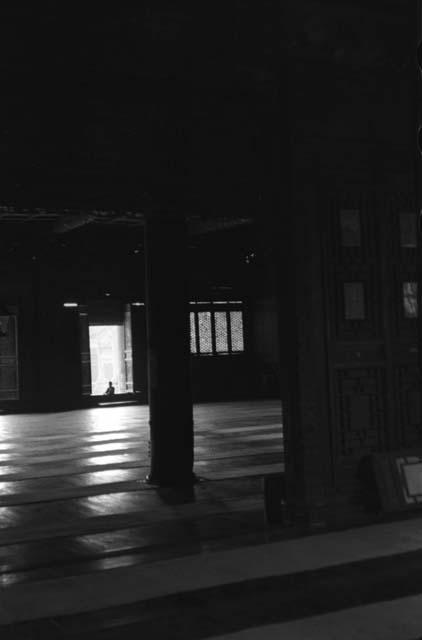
x=236 y=330
x=221 y=337
x=205 y=332
x=193 y=348
x=216 y=330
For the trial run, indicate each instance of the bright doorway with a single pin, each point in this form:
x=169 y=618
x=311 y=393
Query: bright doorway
x=111 y=358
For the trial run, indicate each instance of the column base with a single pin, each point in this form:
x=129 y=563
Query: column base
x=156 y=481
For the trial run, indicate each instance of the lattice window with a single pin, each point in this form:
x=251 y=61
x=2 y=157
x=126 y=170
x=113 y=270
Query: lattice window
x=216 y=328
x=236 y=330
x=193 y=347
x=205 y=332
x=221 y=335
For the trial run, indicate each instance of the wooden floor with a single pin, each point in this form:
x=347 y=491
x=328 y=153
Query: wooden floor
x=187 y=565
x=72 y=498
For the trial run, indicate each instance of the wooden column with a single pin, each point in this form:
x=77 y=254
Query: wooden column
x=417 y=102
x=303 y=360
x=171 y=421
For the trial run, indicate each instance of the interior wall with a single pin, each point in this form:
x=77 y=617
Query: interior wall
x=49 y=334
x=266 y=348
x=356 y=152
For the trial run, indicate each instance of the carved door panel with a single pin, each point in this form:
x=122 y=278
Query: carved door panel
x=356 y=337
x=402 y=250
x=370 y=248
x=9 y=387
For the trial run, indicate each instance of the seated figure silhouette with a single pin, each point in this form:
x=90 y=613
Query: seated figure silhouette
x=110 y=390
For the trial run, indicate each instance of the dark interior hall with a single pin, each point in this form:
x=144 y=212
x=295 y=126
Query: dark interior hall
x=209 y=258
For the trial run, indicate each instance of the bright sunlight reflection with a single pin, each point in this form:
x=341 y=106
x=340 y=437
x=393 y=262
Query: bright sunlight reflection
x=107 y=358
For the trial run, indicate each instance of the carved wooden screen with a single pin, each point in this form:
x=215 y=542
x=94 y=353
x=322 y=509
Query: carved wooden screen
x=403 y=247
x=370 y=250
x=9 y=387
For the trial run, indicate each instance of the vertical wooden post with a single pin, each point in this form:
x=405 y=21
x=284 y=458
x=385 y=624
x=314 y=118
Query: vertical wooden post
x=171 y=421
x=303 y=361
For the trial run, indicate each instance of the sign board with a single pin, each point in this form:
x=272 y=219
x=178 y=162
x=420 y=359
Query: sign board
x=398 y=477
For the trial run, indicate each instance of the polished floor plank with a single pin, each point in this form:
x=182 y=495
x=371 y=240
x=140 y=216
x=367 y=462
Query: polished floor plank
x=273 y=582
x=73 y=518
x=199 y=532
x=97 y=451
x=73 y=497
x=40 y=489
x=202 y=439
x=53 y=471
x=96 y=464
x=147 y=543
x=140 y=556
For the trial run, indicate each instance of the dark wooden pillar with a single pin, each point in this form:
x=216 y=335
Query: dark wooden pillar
x=417 y=102
x=303 y=360
x=170 y=402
